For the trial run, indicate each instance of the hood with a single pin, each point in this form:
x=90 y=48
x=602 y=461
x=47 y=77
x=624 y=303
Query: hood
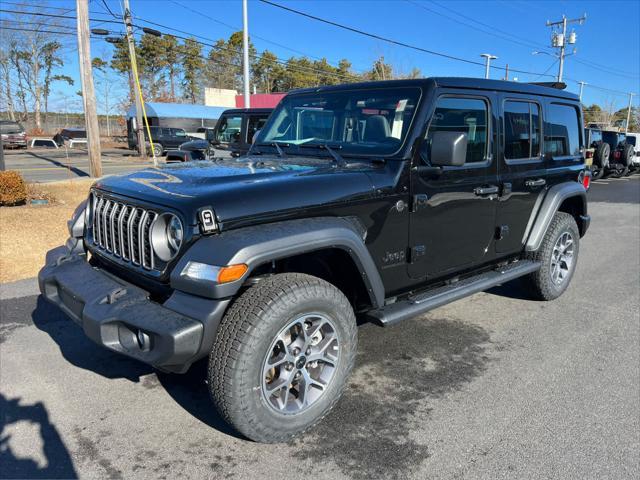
x=246 y=187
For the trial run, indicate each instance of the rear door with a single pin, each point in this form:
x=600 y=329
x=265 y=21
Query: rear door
x=453 y=214
x=522 y=169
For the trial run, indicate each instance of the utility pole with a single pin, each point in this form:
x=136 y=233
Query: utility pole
x=142 y=145
x=560 y=40
x=582 y=84
x=88 y=92
x=245 y=54
x=626 y=127
x=488 y=57
x=506 y=72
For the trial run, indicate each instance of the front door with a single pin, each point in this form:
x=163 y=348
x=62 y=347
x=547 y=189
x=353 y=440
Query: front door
x=452 y=224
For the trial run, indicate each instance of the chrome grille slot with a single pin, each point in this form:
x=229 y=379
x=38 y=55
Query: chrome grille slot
x=123 y=231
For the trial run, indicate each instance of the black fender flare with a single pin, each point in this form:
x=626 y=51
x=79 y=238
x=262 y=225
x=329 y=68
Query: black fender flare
x=550 y=205
x=259 y=244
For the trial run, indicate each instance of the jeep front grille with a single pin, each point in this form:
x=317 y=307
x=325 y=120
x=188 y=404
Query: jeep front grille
x=123 y=231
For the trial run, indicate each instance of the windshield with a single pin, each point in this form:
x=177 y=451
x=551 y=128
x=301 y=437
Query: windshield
x=360 y=122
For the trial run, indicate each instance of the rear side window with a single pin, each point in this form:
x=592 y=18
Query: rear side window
x=255 y=123
x=631 y=140
x=562 y=131
x=463 y=115
x=521 y=130
x=596 y=136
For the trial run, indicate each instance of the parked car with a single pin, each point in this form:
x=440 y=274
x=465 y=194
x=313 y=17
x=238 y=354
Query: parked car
x=596 y=153
x=163 y=139
x=231 y=137
x=621 y=153
x=634 y=139
x=382 y=200
x=67 y=134
x=189 y=151
x=235 y=129
x=13 y=134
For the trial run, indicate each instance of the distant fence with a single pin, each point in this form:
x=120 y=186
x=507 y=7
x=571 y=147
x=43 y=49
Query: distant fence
x=56 y=122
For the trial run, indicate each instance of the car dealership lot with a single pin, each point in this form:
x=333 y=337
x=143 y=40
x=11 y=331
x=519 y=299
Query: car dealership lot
x=489 y=387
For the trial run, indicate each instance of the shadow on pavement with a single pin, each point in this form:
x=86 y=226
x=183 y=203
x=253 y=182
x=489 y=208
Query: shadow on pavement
x=59 y=463
x=188 y=390
x=77 y=171
x=78 y=350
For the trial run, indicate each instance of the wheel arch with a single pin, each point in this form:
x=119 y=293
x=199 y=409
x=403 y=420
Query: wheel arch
x=568 y=197
x=285 y=245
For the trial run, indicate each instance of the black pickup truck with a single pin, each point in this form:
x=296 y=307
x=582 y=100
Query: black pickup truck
x=378 y=201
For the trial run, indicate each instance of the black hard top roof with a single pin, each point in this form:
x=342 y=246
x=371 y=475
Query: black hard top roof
x=248 y=110
x=455 y=82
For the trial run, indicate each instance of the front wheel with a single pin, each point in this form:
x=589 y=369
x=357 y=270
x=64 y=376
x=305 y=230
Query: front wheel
x=157 y=150
x=558 y=255
x=282 y=356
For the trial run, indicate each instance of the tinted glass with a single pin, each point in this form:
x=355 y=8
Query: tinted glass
x=612 y=138
x=229 y=129
x=359 y=121
x=178 y=132
x=521 y=130
x=631 y=140
x=562 y=131
x=255 y=123
x=463 y=115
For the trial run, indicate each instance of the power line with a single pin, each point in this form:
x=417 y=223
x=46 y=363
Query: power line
x=235 y=29
x=106 y=5
x=388 y=40
x=494 y=34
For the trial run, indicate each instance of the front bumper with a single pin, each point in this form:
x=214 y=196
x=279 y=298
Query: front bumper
x=121 y=317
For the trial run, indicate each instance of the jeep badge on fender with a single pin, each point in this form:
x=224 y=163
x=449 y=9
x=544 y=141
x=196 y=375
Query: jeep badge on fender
x=362 y=198
x=207 y=221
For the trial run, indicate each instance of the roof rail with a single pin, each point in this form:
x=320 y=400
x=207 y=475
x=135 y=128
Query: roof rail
x=558 y=85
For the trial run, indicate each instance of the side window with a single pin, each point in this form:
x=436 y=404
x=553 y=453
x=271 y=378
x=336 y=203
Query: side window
x=463 y=115
x=596 y=136
x=521 y=130
x=562 y=131
x=228 y=130
x=255 y=123
x=178 y=132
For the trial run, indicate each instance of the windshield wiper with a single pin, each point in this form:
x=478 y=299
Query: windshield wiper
x=276 y=145
x=340 y=161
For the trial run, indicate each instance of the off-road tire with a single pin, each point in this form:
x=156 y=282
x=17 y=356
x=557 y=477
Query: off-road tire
x=540 y=283
x=601 y=155
x=245 y=336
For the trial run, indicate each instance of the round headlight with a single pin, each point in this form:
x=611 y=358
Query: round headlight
x=174 y=233
x=166 y=236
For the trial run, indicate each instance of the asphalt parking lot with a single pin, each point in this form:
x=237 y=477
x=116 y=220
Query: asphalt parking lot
x=494 y=386
x=49 y=164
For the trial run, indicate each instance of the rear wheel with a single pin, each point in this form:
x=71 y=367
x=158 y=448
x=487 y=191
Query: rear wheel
x=157 y=150
x=558 y=255
x=282 y=356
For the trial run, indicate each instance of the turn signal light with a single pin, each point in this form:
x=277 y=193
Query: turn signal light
x=585 y=179
x=232 y=273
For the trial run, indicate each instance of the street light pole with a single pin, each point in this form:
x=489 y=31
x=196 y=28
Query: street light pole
x=582 y=84
x=245 y=54
x=488 y=58
x=626 y=128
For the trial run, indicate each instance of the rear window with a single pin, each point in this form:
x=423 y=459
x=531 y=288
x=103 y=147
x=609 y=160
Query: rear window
x=562 y=131
x=631 y=140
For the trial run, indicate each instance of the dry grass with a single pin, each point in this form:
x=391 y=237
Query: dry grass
x=28 y=232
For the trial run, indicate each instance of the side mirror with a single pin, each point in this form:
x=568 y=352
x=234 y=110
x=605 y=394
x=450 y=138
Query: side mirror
x=448 y=149
x=210 y=136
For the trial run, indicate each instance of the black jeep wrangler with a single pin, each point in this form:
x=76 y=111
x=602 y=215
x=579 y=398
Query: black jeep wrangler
x=376 y=200
x=621 y=153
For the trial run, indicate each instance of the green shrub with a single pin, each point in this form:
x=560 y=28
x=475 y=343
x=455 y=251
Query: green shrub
x=13 y=190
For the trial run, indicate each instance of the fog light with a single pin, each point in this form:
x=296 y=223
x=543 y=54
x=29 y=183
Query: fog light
x=144 y=342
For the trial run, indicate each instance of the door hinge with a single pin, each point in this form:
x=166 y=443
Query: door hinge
x=419 y=200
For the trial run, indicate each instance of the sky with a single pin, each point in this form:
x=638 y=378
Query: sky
x=608 y=43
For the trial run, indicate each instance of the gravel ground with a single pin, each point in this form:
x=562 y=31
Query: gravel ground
x=494 y=386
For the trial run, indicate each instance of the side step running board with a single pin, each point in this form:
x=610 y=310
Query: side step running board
x=421 y=303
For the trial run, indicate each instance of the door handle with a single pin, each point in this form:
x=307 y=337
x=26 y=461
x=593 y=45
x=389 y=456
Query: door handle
x=492 y=189
x=540 y=182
